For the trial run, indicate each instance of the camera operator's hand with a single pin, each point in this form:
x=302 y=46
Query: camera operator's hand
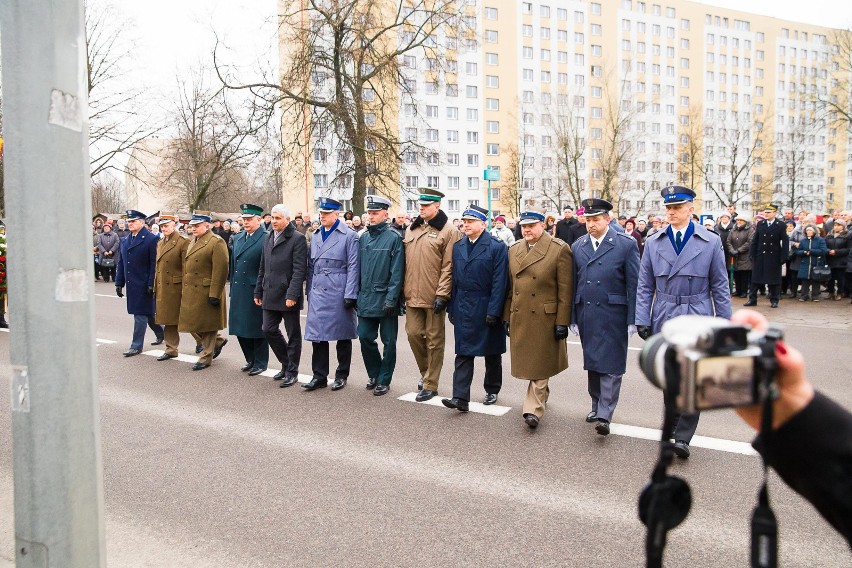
x=794 y=390
x=644 y=331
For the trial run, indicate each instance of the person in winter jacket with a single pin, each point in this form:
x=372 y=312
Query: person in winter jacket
x=736 y=248
x=837 y=243
x=812 y=249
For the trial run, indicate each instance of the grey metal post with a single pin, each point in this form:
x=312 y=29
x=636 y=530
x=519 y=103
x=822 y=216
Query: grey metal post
x=55 y=423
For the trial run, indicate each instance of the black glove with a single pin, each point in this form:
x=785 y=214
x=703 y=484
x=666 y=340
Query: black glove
x=492 y=321
x=389 y=311
x=150 y=290
x=214 y=302
x=439 y=306
x=452 y=318
x=349 y=303
x=644 y=331
x=560 y=332
x=506 y=326
x=118 y=292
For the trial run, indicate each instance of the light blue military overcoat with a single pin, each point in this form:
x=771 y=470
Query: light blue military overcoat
x=332 y=276
x=605 y=298
x=694 y=282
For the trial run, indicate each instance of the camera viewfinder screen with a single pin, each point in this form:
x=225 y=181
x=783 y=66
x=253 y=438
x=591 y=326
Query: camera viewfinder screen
x=724 y=381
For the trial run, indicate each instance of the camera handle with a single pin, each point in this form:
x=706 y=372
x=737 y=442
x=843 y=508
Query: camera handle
x=666 y=500
x=764 y=526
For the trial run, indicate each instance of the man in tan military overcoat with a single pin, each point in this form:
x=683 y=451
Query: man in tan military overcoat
x=168 y=283
x=203 y=308
x=538 y=310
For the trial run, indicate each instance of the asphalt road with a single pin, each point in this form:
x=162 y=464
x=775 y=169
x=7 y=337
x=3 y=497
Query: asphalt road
x=215 y=468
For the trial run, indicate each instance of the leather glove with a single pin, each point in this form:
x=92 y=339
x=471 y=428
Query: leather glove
x=349 y=303
x=439 y=306
x=214 y=302
x=150 y=290
x=389 y=311
x=452 y=318
x=492 y=321
x=506 y=326
x=574 y=329
x=644 y=331
x=560 y=332
x=118 y=292
x=631 y=330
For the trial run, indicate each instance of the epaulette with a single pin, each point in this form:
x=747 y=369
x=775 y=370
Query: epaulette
x=559 y=241
x=625 y=235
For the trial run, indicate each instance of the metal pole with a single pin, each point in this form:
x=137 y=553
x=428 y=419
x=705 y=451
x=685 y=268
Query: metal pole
x=55 y=422
x=489 y=205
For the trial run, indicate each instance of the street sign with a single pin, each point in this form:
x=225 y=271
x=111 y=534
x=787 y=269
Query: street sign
x=491 y=175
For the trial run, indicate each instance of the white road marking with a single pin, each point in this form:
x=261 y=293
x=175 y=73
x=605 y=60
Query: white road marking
x=97 y=339
x=491 y=409
x=719 y=444
x=180 y=357
x=109 y=296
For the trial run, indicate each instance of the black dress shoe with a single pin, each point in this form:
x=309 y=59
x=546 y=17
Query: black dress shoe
x=602 y=427
x=288 y=382
x=218 y=350
x=246 y=367
x=256 y=371
x=315 y=384
x=371 y=383
x=199 y=366
x=381 y=390
x=681 y=449
x=490 y=398
x=131 y=352
x=158 y=341
x=773 y=304
x=456 y=403
x=165 y=357
x=338 y=384
x=425 y=395
x=279 y=375
x=750 y=303
x=592 y=416
x=199 y=348
x=531 y=420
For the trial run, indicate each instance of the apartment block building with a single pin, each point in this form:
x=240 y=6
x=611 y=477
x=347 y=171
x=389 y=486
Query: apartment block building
x=615 y=98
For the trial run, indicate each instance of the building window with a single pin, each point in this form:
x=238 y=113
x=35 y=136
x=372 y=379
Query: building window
x=473 y=159
x=491 y=36
x=452 y=135
x=320 y=180
x=493 y=149
x=473 y=183
x=471 y=91
x=453 y=159
x=490 y=13
x=472 y=137
x=473 y=114
x=320 y=154
x=493 y=126
x=492 y=104
x=491 y=59
x=492 y=81
x=432 y=181
x=411 y=181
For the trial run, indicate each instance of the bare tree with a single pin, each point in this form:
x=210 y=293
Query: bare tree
x=690 y=150
x=511 y=188
x=568 y=129
x=615 y=144
x=107 y=194
x=795 y=162
x=346 y=63
x=734 y=145
x=835 y=104
x=116 y=118
x=214 y=146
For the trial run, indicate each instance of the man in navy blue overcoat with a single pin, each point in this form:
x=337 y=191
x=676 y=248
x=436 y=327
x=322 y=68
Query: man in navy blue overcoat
x=479 y=286
x=137 y=260
x=606 y=273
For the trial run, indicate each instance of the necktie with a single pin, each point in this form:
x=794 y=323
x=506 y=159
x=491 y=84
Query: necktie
x=677 y=240
x=595 y=244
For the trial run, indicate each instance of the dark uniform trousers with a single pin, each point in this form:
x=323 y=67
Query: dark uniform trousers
x=140 y=322
x=774 y=291
x=604 y=388
x=685 y=424
x=319 y=360
x=287 y=351
x=255 y=350
x=463 y=375
x=379 y=366
x=172 y=337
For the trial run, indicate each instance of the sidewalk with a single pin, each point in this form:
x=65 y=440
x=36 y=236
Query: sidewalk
x=825 y=314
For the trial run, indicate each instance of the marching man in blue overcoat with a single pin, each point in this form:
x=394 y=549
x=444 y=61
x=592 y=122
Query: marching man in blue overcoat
x=606 y=273
x=332 y=290
x=137 y=260
x=479 y=286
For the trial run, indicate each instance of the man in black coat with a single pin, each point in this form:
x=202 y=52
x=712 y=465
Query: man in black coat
x=563 y=226
x=769 y=249
x=579 y=228
x=280 y=292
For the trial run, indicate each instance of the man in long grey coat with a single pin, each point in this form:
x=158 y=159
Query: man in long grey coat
x=682 y=272
x=606 y=273
x=279 y=292
x=332 y=289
